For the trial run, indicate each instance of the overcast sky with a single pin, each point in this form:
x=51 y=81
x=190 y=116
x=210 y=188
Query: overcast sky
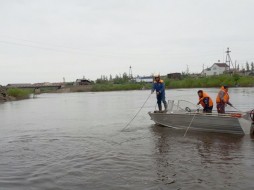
x=46 y=40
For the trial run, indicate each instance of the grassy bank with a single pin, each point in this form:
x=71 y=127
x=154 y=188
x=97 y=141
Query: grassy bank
x=213 y=81
x=117 y=87
x=187 y=82
x=19 y=93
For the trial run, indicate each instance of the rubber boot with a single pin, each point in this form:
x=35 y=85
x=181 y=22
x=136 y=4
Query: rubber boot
x=165 y=106
x=160 y=108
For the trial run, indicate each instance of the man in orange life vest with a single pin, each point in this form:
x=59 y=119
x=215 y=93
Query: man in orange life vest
x=159 y=87
x=222 y=99
x=205 y=101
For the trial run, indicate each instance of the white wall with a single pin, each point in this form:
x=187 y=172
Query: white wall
x=215 y=70
x=147 y=80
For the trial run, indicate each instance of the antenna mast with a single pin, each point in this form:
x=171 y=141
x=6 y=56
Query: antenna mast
x=228 y=59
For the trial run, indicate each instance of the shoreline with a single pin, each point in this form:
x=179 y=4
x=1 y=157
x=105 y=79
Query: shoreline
x=188 y=82
x=81 y=89
x=68 y=90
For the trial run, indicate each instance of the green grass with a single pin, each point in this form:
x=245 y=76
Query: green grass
x=213 y=81
x=187 y=82
x=19 y=93
x=117 y=87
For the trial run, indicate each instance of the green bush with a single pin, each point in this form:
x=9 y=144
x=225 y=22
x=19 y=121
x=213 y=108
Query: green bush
x=246 y=81
x=19 y=93
x=212 y=81
x=117 y=87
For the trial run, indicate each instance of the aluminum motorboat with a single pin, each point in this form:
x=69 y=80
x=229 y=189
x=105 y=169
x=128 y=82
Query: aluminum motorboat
x=186 y=115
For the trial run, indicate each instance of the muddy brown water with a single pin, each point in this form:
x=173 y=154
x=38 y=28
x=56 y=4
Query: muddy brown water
x=74 y=141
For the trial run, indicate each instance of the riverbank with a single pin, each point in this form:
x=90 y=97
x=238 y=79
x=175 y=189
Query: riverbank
x=212 y=81
x=14 y=94
x=3 y=94
x=186 y=82
x=19 y=94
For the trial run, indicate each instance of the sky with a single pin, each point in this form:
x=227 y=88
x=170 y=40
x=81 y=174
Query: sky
x=48 y=40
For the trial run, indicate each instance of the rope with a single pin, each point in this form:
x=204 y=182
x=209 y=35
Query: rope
x=237 y=109
x=136 y=113
x=190 y=124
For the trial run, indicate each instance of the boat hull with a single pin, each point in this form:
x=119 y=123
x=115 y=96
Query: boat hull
x=203 y=122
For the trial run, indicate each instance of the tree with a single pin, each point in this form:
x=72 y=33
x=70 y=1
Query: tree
x=252 y=67
x=102 y=80
x=247 y=66
x=125 y=77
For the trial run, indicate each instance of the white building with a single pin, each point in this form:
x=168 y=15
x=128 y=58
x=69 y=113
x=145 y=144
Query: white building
x=216 y=69
x=147 y=79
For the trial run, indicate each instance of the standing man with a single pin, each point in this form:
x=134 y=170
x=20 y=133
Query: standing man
x=222 y=99
x=159 y=87
x=205 y=101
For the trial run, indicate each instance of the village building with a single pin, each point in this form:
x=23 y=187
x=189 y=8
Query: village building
x=174 y=75
x=145 y=79
x=216 y=69
x=80 y=82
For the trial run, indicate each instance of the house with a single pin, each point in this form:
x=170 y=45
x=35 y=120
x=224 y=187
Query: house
x=145 y=79
x=216 y=69
x=82 y=82
x=174 y=75
x=18 y=85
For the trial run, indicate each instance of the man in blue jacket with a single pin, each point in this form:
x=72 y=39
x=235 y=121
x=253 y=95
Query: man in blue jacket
x=159 y=87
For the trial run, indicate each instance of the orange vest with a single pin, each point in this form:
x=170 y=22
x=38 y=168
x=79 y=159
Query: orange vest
x=205 y=95
x=225 y=97
x=161 y=81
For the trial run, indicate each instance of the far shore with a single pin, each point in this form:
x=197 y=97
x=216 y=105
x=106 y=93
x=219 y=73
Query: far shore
x=187 y=83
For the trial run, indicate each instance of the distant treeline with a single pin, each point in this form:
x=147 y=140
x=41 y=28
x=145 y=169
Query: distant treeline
x=118 y=79
x=123 y=82
x=234 y=80
x=117 y=87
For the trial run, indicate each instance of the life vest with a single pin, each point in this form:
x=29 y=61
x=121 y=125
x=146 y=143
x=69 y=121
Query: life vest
x=225 y=97
x=205 y=95
x=159 y=86
x=161 y=81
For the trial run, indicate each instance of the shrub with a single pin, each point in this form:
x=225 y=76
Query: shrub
x=19 y=93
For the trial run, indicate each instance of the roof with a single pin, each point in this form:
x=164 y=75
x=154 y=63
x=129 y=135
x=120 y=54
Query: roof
x=82 y=80
x=174 y=74
x=19 y=84
x=221 y=64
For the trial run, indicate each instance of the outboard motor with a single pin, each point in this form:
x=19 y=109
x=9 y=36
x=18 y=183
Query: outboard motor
x=252 y=118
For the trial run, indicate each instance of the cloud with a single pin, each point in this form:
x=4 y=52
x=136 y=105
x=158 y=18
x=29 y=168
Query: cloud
x=48 y=40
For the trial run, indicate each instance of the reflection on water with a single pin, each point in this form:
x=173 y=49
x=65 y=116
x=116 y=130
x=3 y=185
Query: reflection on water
x=75 y=141
x=203 y=160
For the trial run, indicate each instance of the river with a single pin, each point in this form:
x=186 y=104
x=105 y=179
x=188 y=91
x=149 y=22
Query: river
x=75 y=141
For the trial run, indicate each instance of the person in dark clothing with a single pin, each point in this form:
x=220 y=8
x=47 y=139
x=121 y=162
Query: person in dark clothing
x=159 y=87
